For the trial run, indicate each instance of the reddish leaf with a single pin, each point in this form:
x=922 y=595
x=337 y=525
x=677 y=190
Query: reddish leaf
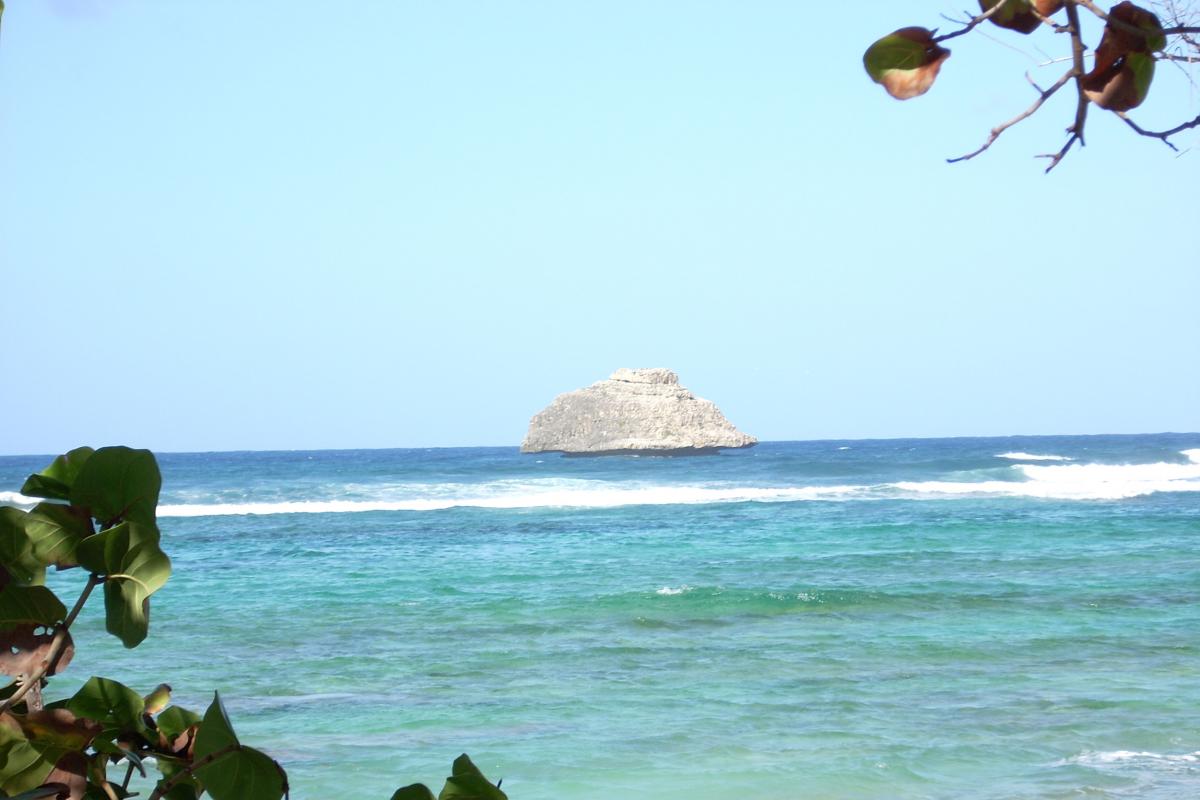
x=60 y=727
x=71 y=772
x=1121 y=75
x=24 y=651
x=1018 y=15
x=905 y=62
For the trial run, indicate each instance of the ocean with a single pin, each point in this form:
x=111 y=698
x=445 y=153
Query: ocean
x=937 y=618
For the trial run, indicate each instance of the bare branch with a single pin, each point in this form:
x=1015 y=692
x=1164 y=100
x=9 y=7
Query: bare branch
x=1163 y=135
x=1081 y=106
x=1043 y=96
x=968 y=26
x=1057 y=157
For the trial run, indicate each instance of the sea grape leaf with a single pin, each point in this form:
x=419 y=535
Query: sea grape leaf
x=55 y=531
x=177 y=730
x=55 y=481
x=175 y=720
x=16 y=550
x=905 y=62
x=1015 y=15
x=466 y=782
x=24 y=648
x=134 y=567
x=184 y=790
x=417 y=791
x=243 y=774
x=237 y=772
x=216 y=732
x=34 y=605
x=1124 y=67
x=23 y=766
x=1142 y=67
x=61 y=728
x=1150 y=40
x=114 y=705
x=109 y=747
x=71 y=771
x=118 y=483
x=894 y=51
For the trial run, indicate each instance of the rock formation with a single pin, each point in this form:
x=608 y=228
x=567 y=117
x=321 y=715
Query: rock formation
x=634 y=411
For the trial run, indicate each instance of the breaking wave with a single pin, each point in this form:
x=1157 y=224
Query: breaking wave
x=1050 y=481
x=1032 y=457
x=1136 y=758
x=18 y=500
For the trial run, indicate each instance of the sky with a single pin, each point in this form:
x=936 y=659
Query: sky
x=293 y=225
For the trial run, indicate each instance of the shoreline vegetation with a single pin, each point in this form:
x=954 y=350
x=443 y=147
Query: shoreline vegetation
x=98 y=513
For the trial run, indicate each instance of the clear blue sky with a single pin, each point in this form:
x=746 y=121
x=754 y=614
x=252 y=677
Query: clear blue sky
x=262 y=225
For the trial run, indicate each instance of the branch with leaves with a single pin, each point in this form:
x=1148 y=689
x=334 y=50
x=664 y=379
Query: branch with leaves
x=98 y=513
x=906 y=62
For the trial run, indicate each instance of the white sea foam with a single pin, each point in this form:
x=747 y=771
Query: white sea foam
x=18 y=500
x=529 y=496
x=1135 y=759
x=1046 y=481
x=1032 y=457
x=669 y=591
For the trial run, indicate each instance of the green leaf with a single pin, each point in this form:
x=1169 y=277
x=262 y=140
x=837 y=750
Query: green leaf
x=243 y=774
x=134 y=567
x=33 y=605
x=55 y=481
x=175 y=720
x=118 y=483
x=417 y=791
x=184 y=790
x=236 y=771
x=1016 y=15
x=16 y=550
x=1142 y=67
x=23 y=766
x=893 y=51
x=55 y=531
x=466 y=782
x=216 y=732
x=109 y=747
x=114 y=705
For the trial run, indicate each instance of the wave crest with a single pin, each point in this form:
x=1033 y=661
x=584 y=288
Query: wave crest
x=1032 y=457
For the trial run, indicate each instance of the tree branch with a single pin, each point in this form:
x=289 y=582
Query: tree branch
x=169 y=784
x=1163 y=135
x=970 y=25
x=1077 y=72
x=56 y=646
x=1044 y=94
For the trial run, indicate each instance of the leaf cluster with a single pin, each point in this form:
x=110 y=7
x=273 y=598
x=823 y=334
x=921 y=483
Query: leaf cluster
x=907 y=62
x=97 y=513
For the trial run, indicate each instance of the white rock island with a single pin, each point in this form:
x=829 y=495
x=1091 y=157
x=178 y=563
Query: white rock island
x=634 y=411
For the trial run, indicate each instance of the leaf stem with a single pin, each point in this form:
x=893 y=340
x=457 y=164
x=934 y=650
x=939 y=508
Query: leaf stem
x=57 y=646
x=169 y=784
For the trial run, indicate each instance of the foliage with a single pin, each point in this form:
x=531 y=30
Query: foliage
x=98 y=513
x=906 y=62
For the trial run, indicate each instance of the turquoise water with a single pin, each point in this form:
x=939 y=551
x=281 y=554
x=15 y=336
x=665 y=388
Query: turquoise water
x=975 y=618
